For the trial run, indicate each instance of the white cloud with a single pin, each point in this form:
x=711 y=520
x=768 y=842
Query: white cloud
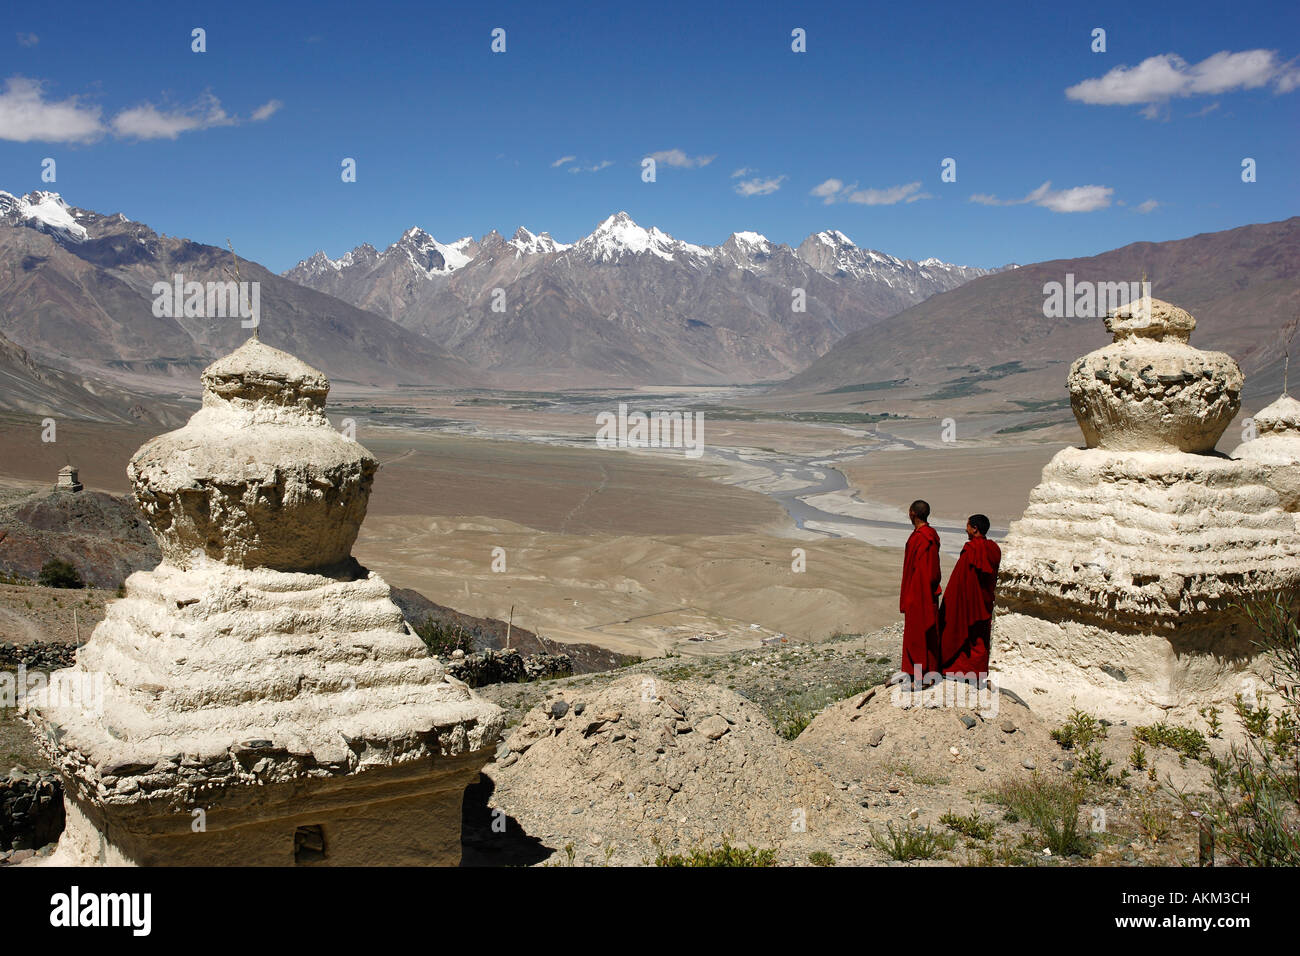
x=1075 y=199
x=28 y=39
x=834 y=191
x=26 y=116
x=149 y=122
x=1147 y=206
x=742 y=171
x=592 y=167
x=675 y=157
x=266 y=111
x=1160 y=78
x=562 y=160
x=827 y=189
x=759 y=187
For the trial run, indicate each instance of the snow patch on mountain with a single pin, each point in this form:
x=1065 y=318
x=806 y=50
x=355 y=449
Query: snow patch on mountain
x=527 y=244
x=430 y=256
x=48 y=211
x=618 y=236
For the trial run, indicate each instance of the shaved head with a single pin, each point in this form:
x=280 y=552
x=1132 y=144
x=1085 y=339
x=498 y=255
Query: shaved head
x=920 y=509
x=980 y=523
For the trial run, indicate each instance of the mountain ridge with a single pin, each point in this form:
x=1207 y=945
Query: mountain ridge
x=630 y=303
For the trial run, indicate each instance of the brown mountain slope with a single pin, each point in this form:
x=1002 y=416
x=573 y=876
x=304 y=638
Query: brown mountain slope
x=990 y=337
x=80 y=298
x=30 y=389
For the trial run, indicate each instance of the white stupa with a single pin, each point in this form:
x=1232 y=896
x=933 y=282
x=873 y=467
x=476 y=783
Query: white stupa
x=1120 y=585
x=260 y=698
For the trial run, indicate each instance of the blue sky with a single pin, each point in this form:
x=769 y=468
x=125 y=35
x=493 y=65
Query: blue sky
x=449 y=136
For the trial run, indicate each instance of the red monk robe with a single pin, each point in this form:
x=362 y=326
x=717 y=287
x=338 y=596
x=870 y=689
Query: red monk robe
x=966 y=617
x=918 y=602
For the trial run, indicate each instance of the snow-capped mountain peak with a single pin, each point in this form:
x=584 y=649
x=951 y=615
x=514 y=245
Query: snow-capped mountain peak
x=527 y=244
x=47 y=211
x=619 y=235
x=431 y=256
x=833 y=237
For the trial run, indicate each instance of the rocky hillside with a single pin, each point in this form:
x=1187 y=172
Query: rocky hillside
x=28 y=388
x=101 y=535
x=76 y=293
x=990 y=336
x=627 y=303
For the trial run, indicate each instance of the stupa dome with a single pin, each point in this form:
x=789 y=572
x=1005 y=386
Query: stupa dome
x=1277 y=444
x=257 y=477
x=1150 y=390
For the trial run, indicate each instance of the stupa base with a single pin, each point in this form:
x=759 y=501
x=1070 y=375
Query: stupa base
x=392 y=816
x=1138 y=676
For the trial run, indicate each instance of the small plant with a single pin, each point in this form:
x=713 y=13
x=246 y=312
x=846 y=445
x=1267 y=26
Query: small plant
x=1095 y=768
x=442 y=639
x=1185 y=741
x=1051 y=808
x=57 y=573
x=821 y=858
x=1254 y=718
x=1138 y=758
x=912 y=843
x=725 y=855
x=791 y=723
x=1003 y=853
x=1254 y=804
x=1079 y=732
x=971 y=826
x=1285 y=735
x=1211 y=717
x=1155 y=822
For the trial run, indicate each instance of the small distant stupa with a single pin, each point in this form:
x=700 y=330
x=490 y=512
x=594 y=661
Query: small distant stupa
x=258 y=699
x=67 y=480
x=1120 y=587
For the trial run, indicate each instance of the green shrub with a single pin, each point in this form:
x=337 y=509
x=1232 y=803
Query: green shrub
x=1051 y=808
x=1186 y=741
x=1254 y=804
x=821 y=858
x=441 y=639
x=57 y=573
x=1138 y=758
x=725 y=855
x=1095 y=768
x=1080 y=731
x=971 y=826
x=912 y=843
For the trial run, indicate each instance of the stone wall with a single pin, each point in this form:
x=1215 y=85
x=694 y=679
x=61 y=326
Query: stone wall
x=31 y=810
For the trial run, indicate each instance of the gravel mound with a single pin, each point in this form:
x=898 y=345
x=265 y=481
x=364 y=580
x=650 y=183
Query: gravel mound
x=646 y=760
x=888 y=738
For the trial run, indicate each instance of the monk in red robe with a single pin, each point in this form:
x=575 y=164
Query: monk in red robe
x=966 y=618
x=918 y=601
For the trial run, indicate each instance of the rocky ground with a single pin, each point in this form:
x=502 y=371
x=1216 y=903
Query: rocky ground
x=103 y=536
x=801 y=750
x=973 y=780
x=31 y=613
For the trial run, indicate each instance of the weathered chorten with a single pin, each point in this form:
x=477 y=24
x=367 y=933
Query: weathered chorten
x=1118 y=586
x=67 y=480
x=263 y=701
